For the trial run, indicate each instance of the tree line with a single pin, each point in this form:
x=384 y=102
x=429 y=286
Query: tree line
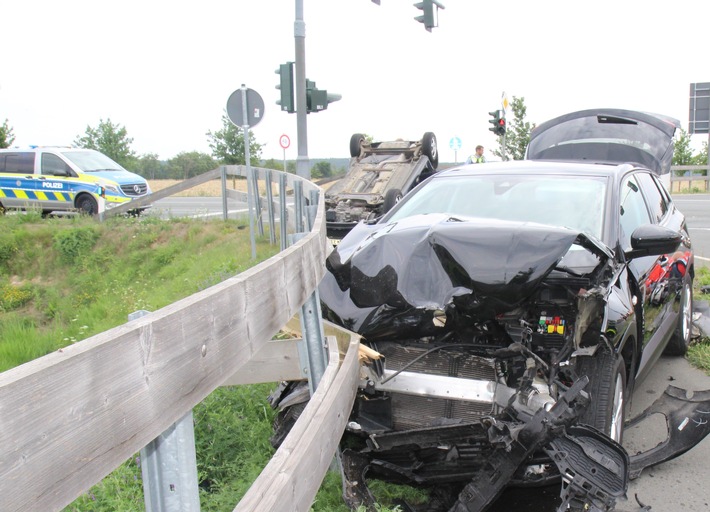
x=227 y=148
x=226 y=145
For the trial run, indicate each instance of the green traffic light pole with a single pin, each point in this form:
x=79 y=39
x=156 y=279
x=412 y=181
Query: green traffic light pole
x=299 y=32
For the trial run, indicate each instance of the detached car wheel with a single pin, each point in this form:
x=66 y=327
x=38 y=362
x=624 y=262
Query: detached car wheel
x=680 y=340
x=355 y=144
x=392 y=197
x=430 y=149
x=87 y=205
x=607 y=388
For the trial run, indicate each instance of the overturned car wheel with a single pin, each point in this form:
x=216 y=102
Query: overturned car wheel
x=430 y=149
x=356 y=143
x=607 y=387
x=392 y=197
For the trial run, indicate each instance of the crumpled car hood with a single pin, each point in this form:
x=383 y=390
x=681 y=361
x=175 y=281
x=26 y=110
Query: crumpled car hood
x=390 y=280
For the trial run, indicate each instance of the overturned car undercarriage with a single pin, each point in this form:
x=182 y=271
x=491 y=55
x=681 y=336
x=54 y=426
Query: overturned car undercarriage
x=482 y=370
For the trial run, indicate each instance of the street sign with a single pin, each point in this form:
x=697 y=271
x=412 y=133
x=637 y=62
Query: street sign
x=254 y=107
x=699 y=108
x=284 y=141
x=455 y=143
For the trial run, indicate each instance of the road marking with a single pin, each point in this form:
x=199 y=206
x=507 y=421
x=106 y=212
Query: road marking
x=215 y=214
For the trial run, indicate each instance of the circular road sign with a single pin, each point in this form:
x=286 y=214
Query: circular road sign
x=284 y=141
x=254 y=110
x=455 y=143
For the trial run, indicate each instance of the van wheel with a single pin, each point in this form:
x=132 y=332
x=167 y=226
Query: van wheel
x=87 y=205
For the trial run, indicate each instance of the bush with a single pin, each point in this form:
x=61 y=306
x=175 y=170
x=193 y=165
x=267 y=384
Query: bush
x=72 y=244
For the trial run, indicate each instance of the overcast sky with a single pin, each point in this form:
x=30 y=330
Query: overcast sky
x=164 y=69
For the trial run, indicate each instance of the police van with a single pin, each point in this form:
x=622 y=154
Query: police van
x=65 y=179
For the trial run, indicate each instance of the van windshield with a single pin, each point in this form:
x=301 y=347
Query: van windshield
x=91 y=161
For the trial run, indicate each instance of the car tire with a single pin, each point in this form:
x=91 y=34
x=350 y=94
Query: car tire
x=607 y=390
x=356 y=142
x=430 y=149
x=284 y=422
x=680 y=339
x=86 y=204
x=392 y=197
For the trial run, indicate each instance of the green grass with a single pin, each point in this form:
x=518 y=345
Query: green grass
x=65 y=279
x=699 y=352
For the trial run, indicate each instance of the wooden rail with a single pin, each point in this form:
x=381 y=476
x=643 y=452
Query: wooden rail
x=71 y=417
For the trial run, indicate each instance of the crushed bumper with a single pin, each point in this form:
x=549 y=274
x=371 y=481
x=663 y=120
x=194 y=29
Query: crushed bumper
x=594 y=469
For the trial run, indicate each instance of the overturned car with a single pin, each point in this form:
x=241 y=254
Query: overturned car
x=379 y=175
x=512 y=308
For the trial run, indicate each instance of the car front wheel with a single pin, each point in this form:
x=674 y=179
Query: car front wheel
x=607 y=388
x=680 y=340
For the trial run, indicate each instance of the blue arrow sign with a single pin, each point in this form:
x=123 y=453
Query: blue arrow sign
x=455 y=143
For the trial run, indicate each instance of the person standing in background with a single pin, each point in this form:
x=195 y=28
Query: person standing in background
x=477 y=157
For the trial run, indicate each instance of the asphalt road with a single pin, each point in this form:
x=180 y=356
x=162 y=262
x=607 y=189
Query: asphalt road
x=696 y=208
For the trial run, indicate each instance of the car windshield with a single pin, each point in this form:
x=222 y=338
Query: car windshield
x=89 y=161
x=570 y=201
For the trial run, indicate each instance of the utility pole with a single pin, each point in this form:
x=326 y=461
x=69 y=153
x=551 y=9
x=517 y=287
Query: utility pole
x=299 y=32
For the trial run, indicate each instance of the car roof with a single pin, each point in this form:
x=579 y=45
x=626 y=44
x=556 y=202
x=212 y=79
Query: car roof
x=530 y=167
x=606 y=135
x=44 y=148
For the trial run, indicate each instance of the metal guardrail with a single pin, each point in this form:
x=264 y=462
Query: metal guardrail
x=690 y=178
x=71 y=417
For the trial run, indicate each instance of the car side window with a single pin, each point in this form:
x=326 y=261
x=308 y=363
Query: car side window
x=633 y=211
x=21 y=163
x=54 y=166
x=656 y=200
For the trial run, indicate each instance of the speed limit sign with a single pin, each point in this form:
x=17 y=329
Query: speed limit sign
x=285 y=141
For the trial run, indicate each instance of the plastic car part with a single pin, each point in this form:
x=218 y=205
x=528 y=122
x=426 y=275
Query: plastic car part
x=594 y=469
x=687 y=420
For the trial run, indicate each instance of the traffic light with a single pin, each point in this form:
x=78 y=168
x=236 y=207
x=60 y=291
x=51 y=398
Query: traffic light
x=317 y=99
x=501 y=126
x=430 y=13
x=498 y=122
x=495 y=121
x=285 y=73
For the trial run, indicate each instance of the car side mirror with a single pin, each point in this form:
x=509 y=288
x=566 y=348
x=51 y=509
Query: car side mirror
x=653 y=240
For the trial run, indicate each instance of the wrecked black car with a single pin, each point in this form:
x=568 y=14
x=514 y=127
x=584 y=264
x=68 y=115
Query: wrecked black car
x=512 y=307
x=379 y=175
